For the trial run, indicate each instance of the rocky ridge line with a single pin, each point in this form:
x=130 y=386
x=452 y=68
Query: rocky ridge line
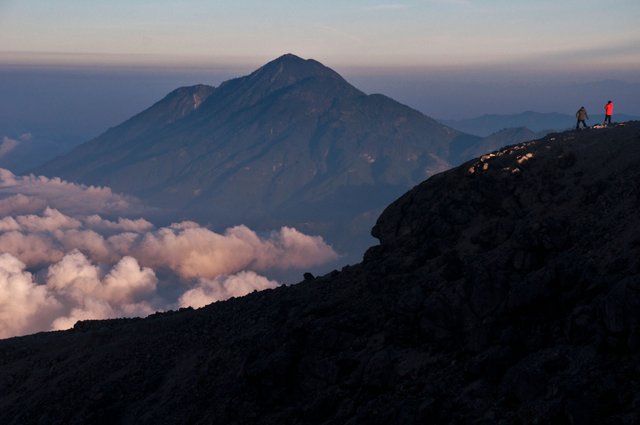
x=505 y=291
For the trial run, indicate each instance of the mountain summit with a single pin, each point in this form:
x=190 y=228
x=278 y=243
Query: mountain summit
x=285 y=144
x=287 y=70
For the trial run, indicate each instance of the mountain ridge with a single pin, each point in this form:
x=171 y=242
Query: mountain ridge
x=502 y=291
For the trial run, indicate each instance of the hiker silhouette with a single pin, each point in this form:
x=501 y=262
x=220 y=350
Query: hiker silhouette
x=581 y=116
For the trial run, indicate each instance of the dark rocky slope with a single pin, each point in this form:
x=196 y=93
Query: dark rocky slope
x=505 y=291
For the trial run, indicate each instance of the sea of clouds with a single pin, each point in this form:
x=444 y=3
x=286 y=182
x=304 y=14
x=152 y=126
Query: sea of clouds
x=61 y=261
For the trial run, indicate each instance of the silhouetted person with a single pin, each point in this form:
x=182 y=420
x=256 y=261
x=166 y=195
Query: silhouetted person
x=581 y=115
x=608 y=111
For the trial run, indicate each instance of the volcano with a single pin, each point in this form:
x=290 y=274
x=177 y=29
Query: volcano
x=292 y=143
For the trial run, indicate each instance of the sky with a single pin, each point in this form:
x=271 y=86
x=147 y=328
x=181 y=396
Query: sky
x=70 y=69
x=437 y=34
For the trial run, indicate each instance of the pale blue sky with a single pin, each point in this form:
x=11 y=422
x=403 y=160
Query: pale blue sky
x=441 y=34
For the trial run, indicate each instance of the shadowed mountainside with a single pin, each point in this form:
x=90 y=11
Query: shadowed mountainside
x=505 y=291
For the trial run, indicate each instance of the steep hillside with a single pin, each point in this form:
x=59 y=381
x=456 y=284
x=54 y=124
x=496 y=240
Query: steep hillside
x=504 y=291
x=119 y=140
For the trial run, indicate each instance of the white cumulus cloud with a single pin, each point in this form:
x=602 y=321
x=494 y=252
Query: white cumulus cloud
x=79 y=286
x=225 y=287
x=23 y=303
x=199 y=252
x=74 y=290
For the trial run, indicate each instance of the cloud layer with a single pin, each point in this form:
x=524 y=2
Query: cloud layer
x=27 y=194
x=186 y=248
x=74 y=290
x=64 y=264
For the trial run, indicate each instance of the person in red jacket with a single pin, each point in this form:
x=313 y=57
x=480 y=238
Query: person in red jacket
x=608 y=111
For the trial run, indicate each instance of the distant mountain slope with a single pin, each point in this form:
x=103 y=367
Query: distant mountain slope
x=22 y=153
x=118 y=140
x=285 y=144
x=535 y=121
x=504 y=291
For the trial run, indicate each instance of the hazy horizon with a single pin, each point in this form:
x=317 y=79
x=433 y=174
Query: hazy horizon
x=72 y=104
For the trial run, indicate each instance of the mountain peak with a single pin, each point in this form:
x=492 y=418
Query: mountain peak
x=289 y=57
x=290 y=69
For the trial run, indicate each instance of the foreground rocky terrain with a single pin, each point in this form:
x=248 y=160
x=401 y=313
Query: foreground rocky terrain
x=505 y=291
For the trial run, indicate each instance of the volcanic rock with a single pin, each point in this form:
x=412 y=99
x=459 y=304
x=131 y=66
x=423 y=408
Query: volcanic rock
x=505 y=291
